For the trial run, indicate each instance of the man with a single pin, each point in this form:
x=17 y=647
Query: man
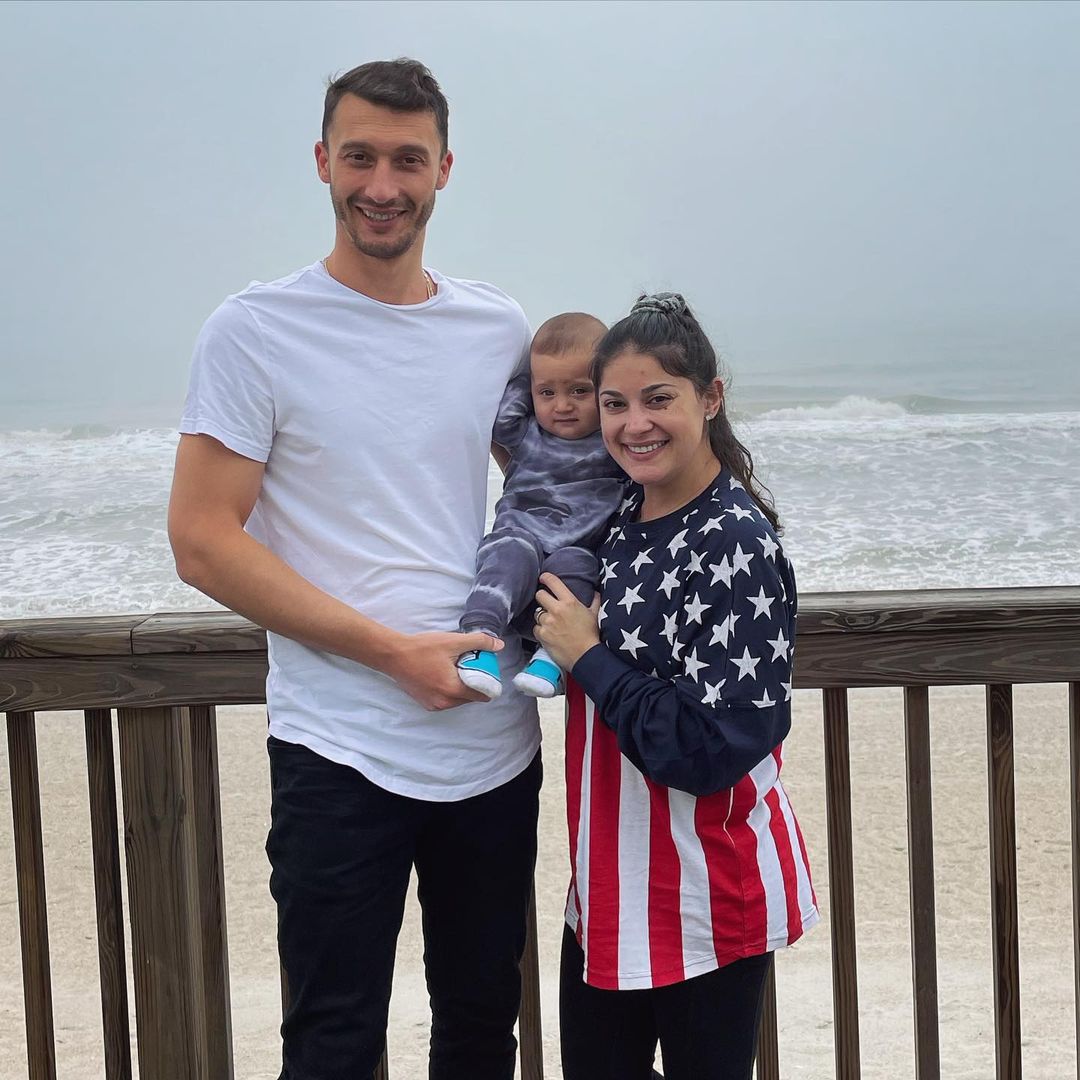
x=330 y=485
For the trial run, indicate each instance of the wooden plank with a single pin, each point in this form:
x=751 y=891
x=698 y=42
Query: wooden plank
x=930 y=610
x=162 y=883
x=205 y=806
x=1074 y=814
x=105 y=635
x=768 y=1049
x=30 y=879
x=134 y=682
x=105 y=844
x=892 y=611
x=920 y=828
x=945 y=658
x=841 y=886
x=530 y=1029
x=1003 y=913
x=822 y=661
x=198 y=631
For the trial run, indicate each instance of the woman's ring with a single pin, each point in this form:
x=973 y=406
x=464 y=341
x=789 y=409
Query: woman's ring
x=537 y=613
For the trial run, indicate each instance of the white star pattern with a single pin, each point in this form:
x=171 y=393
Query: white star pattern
x=720 y=633
x=692 y=590
x=762 y=603
x=746 y=664
x=695 y=609
x=601 y=614
x=627 y=504
x=740 y=561
x=780 y=646
x=721 y=571
x=692 y=665
x=670 y=582
x=712 y=693
x=632 y=643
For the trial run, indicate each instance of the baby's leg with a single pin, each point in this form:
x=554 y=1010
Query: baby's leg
x=578 y=568
x=579 y=571
x=507 y=566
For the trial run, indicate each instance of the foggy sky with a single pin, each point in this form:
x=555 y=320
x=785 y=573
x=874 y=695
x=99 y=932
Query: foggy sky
x=823 y=181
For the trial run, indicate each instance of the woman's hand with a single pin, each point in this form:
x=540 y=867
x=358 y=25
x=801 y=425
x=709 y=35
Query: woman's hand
x=565 y=626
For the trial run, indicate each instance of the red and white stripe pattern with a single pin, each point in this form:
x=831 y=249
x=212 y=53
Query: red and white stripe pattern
x=666 y=886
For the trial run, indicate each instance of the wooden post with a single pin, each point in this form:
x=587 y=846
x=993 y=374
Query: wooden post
x=999 y=739
x=30 y=872
x=921 y=882
x=530 y=1032
x=209 y=866
x=162 y=893
x=841 y=886
x=768 y=1051
x=1074 y=805
x=105 y=844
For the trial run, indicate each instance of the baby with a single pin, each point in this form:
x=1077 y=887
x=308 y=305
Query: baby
x=560 y=489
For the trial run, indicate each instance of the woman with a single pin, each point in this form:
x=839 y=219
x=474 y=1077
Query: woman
x=688 y=867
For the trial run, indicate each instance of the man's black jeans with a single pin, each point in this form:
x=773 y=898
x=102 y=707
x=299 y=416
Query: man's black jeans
x=341 y=851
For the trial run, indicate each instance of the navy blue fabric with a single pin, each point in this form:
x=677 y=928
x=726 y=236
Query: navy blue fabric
x=693 y=673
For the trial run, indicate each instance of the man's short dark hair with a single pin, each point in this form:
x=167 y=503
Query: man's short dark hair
x=401 y=84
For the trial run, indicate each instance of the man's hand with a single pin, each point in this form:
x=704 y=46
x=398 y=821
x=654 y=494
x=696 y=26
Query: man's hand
x=424 y=666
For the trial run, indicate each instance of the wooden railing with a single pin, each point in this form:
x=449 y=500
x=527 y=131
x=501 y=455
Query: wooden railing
x=164 y=674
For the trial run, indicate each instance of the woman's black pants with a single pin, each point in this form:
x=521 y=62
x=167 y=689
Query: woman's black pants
x=707 y=1026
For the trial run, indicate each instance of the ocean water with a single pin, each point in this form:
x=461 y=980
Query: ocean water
x=874 y=493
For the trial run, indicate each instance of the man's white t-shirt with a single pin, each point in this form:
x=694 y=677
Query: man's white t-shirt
x=374 y=422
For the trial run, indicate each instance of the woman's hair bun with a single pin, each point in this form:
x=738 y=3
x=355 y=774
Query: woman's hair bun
x=665 y=303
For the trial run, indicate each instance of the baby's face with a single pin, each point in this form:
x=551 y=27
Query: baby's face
x=563 y=396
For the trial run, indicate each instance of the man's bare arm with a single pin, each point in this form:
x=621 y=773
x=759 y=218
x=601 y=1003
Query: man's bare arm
x=501 y=456
x=214 y=491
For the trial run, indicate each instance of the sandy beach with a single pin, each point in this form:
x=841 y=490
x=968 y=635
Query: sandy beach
x=803 y=972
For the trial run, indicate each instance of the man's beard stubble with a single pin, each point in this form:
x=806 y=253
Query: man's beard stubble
x=391 y=249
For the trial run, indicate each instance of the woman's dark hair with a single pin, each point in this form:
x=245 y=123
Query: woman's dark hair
x=663 y=326
x=402 y=84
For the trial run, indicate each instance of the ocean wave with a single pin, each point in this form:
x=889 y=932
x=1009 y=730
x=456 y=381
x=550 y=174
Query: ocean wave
x=853 y=407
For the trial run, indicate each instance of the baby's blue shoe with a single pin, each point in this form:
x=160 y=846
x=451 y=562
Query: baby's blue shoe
x=480 y=671
x=541 y=678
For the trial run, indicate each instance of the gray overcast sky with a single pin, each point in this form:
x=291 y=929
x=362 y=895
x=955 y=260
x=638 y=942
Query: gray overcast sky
x=823 y=180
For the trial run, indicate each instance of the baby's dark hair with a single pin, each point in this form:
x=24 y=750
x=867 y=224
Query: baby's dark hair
x=566 y=333
x=663 y=326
